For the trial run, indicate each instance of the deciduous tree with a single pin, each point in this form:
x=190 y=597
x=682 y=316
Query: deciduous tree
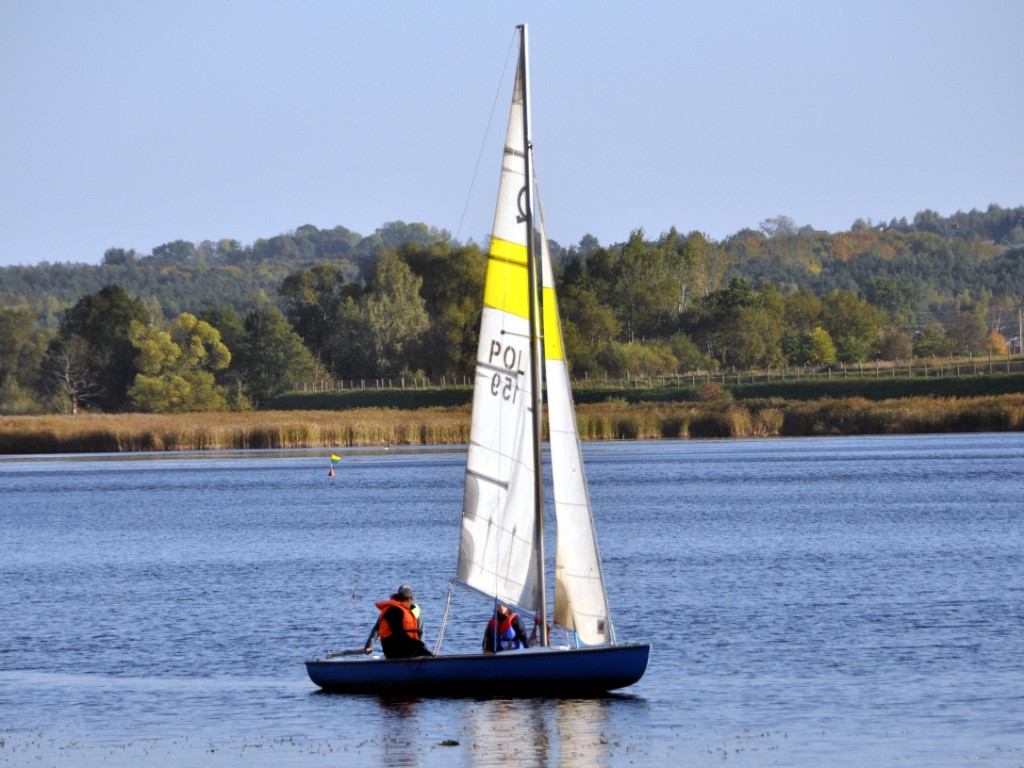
x=452 y=293
x=379 y=330
x=854 y=325
x=68 y=377
x=587 y=326
x=311 y=298
x=995 y=343
x=968 y=331
x=177 y=365
x=22 y=346
x=646 y=291
x=102 y=321
x=273 y=358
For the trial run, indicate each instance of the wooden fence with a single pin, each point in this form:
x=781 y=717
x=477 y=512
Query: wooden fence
x=918 y=368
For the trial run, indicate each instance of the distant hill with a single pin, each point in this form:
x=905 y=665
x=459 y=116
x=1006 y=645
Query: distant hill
x=904 y=266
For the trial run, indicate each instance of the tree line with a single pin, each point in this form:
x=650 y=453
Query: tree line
x=220 y=325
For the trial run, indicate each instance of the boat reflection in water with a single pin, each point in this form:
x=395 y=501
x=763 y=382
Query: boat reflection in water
x=568 y=733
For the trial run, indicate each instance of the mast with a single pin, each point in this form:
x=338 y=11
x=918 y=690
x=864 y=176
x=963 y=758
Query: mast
x=535 y=377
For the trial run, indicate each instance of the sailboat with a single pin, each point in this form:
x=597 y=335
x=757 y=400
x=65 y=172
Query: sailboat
x=501 y=550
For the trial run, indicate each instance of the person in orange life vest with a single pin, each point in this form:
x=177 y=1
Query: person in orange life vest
x=399 y=630
x=375 y=632
x=504 y=632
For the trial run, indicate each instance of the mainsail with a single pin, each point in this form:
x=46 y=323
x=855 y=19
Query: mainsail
x=497 y=550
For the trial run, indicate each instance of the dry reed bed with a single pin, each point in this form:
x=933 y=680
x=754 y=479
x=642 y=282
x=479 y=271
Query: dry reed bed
x=774 y=418
x=97 y=433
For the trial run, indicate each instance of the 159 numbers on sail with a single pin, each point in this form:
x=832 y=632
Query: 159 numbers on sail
x=508 y=357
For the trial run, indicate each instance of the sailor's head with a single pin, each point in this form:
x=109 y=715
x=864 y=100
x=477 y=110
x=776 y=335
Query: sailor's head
x=502 y=610
x=404 y=594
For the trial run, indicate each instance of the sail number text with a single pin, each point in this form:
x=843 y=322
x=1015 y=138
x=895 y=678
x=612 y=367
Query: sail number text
x=505 y=385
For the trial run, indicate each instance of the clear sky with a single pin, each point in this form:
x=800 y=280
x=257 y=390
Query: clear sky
x=132 y=124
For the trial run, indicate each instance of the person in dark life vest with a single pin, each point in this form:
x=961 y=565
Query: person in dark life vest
x=504 y=632
x=398 y=628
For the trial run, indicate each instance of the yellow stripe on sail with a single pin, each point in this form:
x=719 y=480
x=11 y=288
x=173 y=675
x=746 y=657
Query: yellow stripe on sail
x=508 y=285
x=552 y=332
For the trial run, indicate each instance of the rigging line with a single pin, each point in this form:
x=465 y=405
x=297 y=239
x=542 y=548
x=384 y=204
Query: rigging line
x=487 y=132
x=355 y=607
x=340 y=619
x=330 y=631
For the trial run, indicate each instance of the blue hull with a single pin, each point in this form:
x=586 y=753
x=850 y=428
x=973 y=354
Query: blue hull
x=562 y=672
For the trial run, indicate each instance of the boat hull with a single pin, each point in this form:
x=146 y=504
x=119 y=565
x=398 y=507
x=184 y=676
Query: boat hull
x=562 y=672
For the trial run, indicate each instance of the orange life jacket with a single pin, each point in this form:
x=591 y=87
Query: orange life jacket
x=409 y=623
x=506 y=635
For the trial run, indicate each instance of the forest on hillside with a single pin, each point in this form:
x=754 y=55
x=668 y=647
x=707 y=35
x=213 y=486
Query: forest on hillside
x=214 y=325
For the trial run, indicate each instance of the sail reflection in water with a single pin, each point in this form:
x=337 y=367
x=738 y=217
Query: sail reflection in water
x=570 y=733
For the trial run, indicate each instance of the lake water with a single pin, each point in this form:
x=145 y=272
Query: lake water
x=812 y=602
